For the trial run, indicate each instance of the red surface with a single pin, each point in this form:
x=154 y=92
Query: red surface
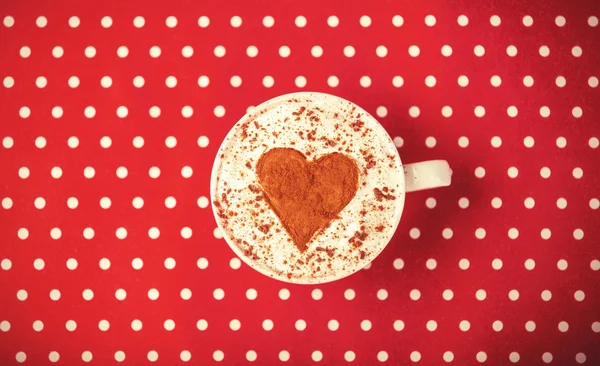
x=17 y=317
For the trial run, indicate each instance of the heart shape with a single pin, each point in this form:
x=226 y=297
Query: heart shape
x=306 y=195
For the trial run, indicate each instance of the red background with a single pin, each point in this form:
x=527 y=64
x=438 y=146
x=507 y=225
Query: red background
x=19 y=339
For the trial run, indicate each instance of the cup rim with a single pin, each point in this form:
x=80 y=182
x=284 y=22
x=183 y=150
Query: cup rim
x=237 y=250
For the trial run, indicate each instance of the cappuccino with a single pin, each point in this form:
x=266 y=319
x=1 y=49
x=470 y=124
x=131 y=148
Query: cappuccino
x=307 y=188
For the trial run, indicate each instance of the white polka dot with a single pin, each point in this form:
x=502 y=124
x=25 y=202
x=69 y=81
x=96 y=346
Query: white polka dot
x=464 y=325
x=90 y=52
x=448 y=356
x=382 y=294
x=496 y=81
x=529 y=202
x=577 y=112
x=480 y=295
x=55 y=233
x=186 y=294
x=398 y=325
x=430 y=81
x=203 y=21
x=152 y=356
x=398 y=141
x=513 y=172
x=365 y=325
x=414 y=51
x=121 y=294
x=398 y=263
x=139 y=22
x=561 y=203
x=547 y=357
x=268 y=81
x=496 y=141
x=447 y=112
x=104 y=263
x=186 y=172
x=121 y=233
x=497 y=264
x=365 y=21
x=333 y=325
x=594 y=203
x=593 y=21
x=447 y=233
x=122 y=172
x=479 y=111
x=562 y=264
x=21 y=357
x=545 y=172
x=187 y=111
x=462 y=20
x=300 y=21
x=415 y=294
x=55 y=295
x=71 y=325
x=479 y=51
x=284 y=51
x=415 y=356
x=463 y=202
x=431 y=325
x=513 y=233
x=6 y=264
x=529 y=264
x=580 y=357
x=544 y=51
x=463 y=81
x=284 y=356
x=430 y=20
x=8 y=21
x=251 y=294
x=513 y=295
x=480 y=172
x=593 y=82
x=448 y=294
x=268 y=21
x=511 y=51
x=430 y=142
x=415 y=233
x=496 y=202
x=139 y=82
x=495 y=20
x=414 y=111
x=577 y=173
x=546 y=295
x=41 y=21
x=446 y=51
x=53 y=356
x=349 y=356
x=284 y=294
x=480 y=233
x=382 y=356
x=560 y=81
x=300 y=81
x=153 y=293
x=576 y=51
x=317 y=356
x=8 y=82
x=252 y=51
x=563 y=326
x=397 y=81
x=24 y=112
x=220 y=51
x=545 y=233
x=23 y=233
x=25 y=52
x=381 y=51
x=430 y=202
x=463 y=141
x=349 y=51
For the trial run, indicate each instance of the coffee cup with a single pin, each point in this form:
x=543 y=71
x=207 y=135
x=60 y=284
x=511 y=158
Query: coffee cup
x=309 y=188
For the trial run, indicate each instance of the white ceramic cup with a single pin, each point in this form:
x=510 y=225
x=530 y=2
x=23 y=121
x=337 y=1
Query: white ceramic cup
x=411 y=177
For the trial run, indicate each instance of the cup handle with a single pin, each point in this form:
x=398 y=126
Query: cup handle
x=427 y=175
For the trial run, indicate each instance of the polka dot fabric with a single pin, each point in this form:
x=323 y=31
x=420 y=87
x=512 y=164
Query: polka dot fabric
x=112 y=113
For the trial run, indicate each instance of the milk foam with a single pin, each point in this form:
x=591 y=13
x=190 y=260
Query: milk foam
x=336 y=124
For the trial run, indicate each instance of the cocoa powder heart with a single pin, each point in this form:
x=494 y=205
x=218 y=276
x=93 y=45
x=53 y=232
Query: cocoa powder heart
x=306 y=195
